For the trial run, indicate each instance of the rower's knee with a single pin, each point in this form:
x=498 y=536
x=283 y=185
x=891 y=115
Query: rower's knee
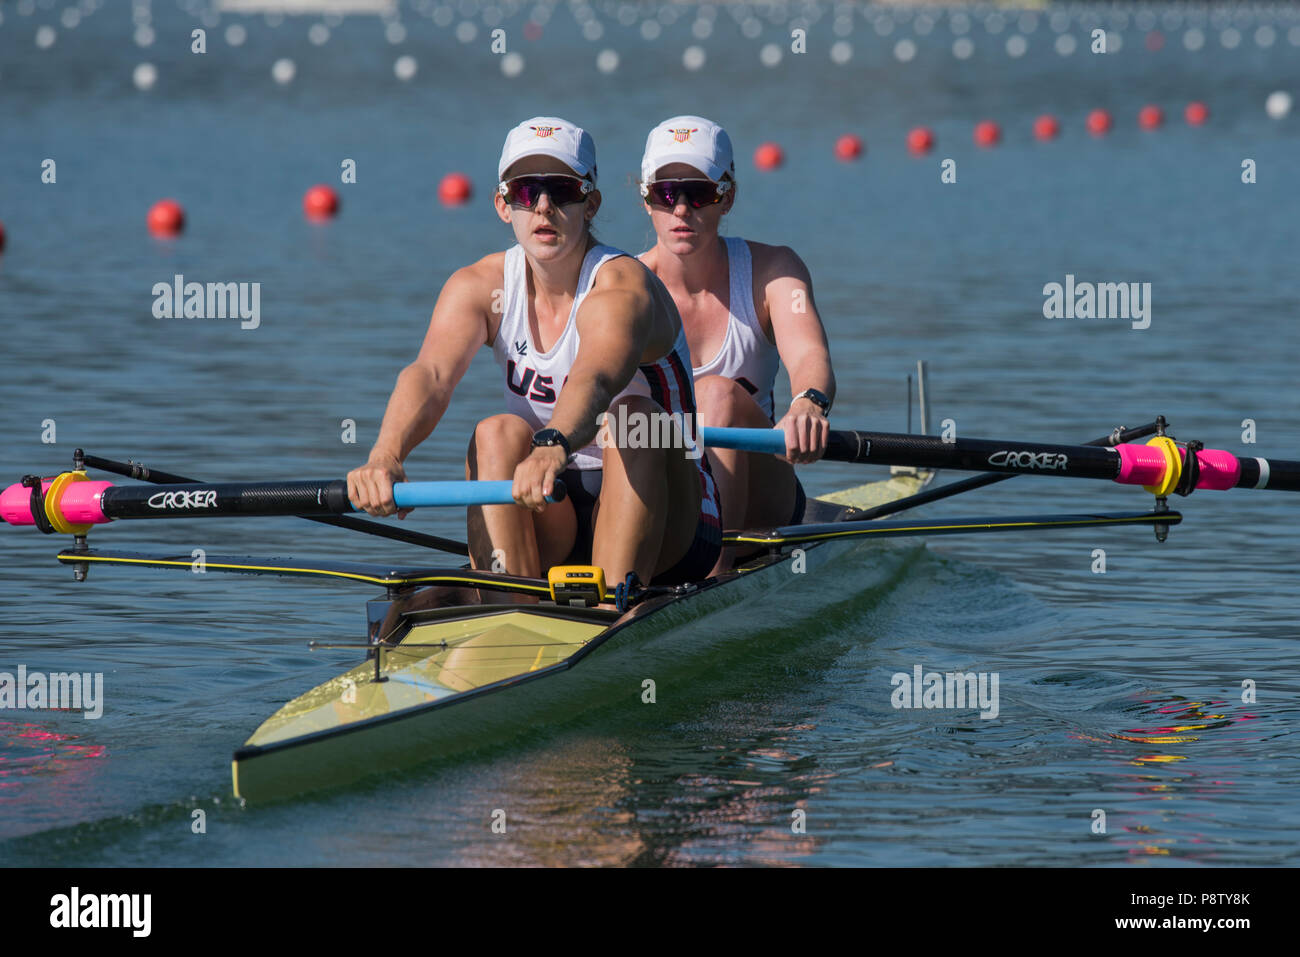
x=499 y=443
x=721 y=401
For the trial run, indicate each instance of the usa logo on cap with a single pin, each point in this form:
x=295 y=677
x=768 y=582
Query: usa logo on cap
x=682 y=134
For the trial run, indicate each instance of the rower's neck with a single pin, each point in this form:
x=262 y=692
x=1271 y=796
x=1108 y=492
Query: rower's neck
x=696 y=272
x=559 y=278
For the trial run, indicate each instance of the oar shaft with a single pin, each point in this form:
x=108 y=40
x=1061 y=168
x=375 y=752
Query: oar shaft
x=1126 y=463
x=93 y=503
x=138 y=470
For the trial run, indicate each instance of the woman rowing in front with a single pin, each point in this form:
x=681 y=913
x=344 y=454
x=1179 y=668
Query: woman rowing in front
x=578 y=329
x=746 y=307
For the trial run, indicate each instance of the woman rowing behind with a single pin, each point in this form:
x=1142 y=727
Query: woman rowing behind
x=578 y=329
x=746 y=308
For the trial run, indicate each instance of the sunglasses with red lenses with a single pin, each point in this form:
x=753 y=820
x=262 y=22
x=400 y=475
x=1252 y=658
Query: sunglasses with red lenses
x=525 y=191
x=696 y=193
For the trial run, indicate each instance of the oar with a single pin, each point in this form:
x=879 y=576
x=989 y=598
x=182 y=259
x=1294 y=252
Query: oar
x=70 y=500
x=138 y=470
x=902 y=528
x=1160 y=466
x=950 y=489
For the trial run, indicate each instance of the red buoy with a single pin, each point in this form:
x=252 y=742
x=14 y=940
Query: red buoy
x=532 y=30
x=848 y=147
x=455 y=189
x=768 y=156
x=920 y=140
x=987 y=133
x=320 y=202
x=1155 y=41
x=166 y=218
x=1046 y=127
x=1197 y=113
x=2 y=237
x=1150 y=117
x=1100 y=122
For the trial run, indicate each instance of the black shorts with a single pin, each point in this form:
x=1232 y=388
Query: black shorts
x=583 y=486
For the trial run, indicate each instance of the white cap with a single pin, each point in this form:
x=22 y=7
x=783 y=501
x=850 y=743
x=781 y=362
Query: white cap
x=692 y=140
x=550 y=136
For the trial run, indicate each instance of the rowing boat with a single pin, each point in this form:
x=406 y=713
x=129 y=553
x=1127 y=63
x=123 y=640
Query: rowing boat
x=449 y=672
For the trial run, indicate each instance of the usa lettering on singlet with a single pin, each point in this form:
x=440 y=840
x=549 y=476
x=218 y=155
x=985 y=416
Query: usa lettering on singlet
x=746 y=355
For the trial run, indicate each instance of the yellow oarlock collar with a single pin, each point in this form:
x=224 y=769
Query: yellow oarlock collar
x=1173 y=466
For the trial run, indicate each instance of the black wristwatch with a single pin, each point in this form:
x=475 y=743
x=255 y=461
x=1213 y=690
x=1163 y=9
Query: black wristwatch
x=552 y=437
x=817 y=398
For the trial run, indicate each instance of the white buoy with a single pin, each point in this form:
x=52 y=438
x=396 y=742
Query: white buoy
x=144 y=76
x=693 y=58
x=283 y=71
x=607 y=60
x=1278 y=104
x=512 y=64
x=404 y=67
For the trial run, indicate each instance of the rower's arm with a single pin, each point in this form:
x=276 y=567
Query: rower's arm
x=615 y=325
x=796 y=327
x=801 y=342
x=457 y=329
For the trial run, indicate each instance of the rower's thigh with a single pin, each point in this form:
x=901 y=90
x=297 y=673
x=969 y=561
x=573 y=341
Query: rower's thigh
x=557 y=532
x=725 y=402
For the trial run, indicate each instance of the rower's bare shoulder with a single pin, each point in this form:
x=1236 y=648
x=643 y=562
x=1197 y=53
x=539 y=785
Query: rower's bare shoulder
x=479 y=279
x=776 y=262
x=625 y=275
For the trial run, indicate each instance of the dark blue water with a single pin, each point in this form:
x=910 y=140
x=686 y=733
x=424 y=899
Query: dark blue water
x=1120 y=691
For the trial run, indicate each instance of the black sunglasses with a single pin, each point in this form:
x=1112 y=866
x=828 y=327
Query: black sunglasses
x=525 y=191
x=697 y=193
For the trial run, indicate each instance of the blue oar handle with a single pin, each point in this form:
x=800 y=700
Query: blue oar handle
x=771 y=441
x=432 y=494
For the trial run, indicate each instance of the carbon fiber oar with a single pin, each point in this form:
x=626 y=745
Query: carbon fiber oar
x=1161 y=466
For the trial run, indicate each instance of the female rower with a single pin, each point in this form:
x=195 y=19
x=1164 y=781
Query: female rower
x=746 y=307
x=578 y=329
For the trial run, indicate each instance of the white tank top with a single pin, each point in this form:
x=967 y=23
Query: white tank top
x=533 y=379
x=746 y=355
